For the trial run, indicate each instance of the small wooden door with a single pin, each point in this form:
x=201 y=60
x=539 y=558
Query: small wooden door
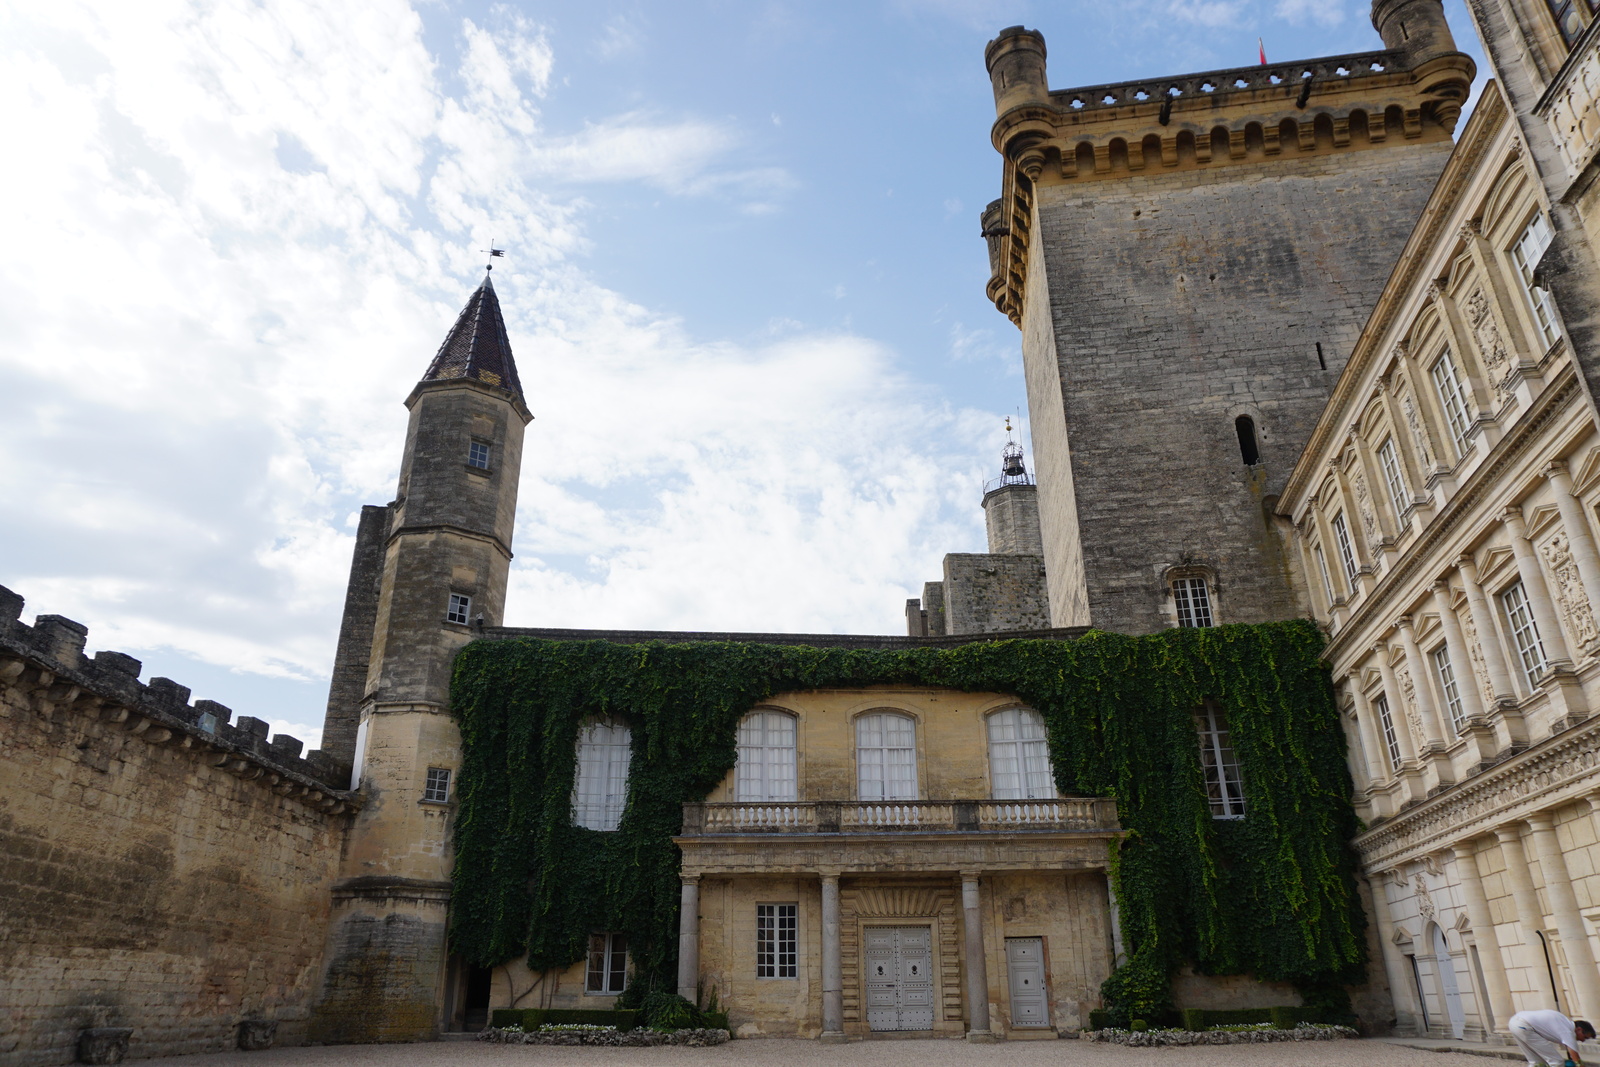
x=899 y=972
x=1025 y=968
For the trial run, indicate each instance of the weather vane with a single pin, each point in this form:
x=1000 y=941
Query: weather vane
x=493 y=253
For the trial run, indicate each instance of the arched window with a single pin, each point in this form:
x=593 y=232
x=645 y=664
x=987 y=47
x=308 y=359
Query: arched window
x=1245 y=427
x=604 y=751
x=766 y=769
x=1019 y=756
x=886 y=757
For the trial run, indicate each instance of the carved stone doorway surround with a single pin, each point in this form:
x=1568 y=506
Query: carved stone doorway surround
x=888 y=901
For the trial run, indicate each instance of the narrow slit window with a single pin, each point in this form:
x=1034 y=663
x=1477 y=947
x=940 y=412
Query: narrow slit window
x=437 y=789
x=1347 y=555
x=1389 y=460
x=1193 y=600
x=777 y=953
x=1453 y=397
x=1224 y=786
x=460 y=610
x=1447 y=683
x=478 y=455
x=1525 y=254
x=608 y=964
x=1391 y=740
x=1245 y=427
x=1524 y=633
x=1322 y=565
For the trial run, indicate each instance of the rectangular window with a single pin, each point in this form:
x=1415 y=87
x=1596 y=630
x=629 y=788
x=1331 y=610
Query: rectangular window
x=1389 y=460
x=1322 y=565
x=608 y=964
x=460 y=609
x=600 y=793
x=438 y=788
x=1447 y=683
x=1569 y=17
x=775 y=941
x=1347 y=555
x=1453 y=396
x=478 y=455
x=1224 y=786
x=1525 y=254
x=1391 y=740
x=1194 y=601
x=1524 y=633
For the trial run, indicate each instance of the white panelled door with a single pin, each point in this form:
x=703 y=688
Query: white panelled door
x=1025 y=968
x=899 y=965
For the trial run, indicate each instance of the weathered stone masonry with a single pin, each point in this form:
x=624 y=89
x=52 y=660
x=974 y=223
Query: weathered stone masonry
x=160 y=869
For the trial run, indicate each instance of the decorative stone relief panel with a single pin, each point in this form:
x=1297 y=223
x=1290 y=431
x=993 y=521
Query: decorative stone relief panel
x=1425 y=903
x=1419 y=439
x=1480 y=669
x=1486 y=331
x=1570 y=595
x=1408 y=689
x=1369 y=521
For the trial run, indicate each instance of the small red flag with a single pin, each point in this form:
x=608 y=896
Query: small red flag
x=1263 y=48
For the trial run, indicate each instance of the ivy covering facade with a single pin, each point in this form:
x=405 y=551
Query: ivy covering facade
x=1271 y=894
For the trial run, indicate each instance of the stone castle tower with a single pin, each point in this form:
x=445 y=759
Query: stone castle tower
x=429 y=571
x=1190 y=260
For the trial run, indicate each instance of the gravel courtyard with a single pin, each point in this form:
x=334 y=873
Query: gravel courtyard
x=783 y=1053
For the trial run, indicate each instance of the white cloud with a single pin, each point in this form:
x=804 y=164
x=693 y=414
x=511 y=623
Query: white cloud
x=1319 y=12
x=239 y=236
x=623 y=35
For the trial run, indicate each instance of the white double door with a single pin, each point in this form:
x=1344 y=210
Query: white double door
x=1025 y=969
x=899 y=965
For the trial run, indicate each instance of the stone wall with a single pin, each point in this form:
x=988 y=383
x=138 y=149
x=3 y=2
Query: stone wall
x=1179 y=302
x=162 y=869
x=991 y=593
x=1011 y=516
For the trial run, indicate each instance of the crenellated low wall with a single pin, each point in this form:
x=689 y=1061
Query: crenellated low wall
x=160 y=868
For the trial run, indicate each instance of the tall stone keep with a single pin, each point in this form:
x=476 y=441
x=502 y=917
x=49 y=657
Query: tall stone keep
x=1190 y=260
x=429 y=572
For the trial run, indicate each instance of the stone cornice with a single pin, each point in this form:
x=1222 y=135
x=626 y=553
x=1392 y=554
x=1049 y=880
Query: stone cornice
x=1556 y=771
x=1433 y=226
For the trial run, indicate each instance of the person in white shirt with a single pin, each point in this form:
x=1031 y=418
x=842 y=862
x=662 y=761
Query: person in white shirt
x=1548 y=1037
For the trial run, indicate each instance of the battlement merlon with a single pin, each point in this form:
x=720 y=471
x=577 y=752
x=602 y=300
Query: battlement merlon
x=1411 y=92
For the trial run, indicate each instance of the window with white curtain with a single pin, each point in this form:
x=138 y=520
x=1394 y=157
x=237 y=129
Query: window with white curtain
x=1524 y=633
x=1391 y=740
x=1224 y=785
x=1019 y=756
x=1526 y=253
x=1347 y=553
x=886 y=756
x=604 y=751
x=1389 y=460
x=766 y=769
x=1453 y=396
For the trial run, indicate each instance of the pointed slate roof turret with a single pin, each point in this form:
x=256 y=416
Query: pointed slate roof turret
x=477 y=346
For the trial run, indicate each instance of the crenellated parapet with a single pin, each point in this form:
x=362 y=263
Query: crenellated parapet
x=46 y=664
x=1411 y=92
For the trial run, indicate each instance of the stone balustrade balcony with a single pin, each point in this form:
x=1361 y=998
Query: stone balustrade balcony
x=900 y=816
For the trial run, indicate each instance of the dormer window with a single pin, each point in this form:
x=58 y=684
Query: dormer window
x=460 y=610
x=478 y=455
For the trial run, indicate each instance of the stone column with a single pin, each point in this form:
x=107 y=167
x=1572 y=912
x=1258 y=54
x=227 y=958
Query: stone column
x=1497 y=988
x=1422 y=683
x=1402 y=986
x=832 y=968
x=1397 y=706
x=1564 y=909
x=1530 y=917
x=977 y=964
x=1580 y=535
x=1487 y=624
x=1533 y=584
x=689 y=940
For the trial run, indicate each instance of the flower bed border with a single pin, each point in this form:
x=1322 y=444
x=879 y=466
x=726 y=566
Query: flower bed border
x=640 y=1038
x=1175 y=1038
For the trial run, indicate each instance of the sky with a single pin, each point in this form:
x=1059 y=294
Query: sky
x=743 y=281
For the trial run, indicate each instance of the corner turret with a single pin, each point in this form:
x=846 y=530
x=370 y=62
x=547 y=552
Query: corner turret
x=1415 y=27
x=1016 y=62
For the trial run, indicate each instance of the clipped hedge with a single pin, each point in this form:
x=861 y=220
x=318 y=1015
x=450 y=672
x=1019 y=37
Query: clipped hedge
x=533 y=1018
x=1271 y=894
